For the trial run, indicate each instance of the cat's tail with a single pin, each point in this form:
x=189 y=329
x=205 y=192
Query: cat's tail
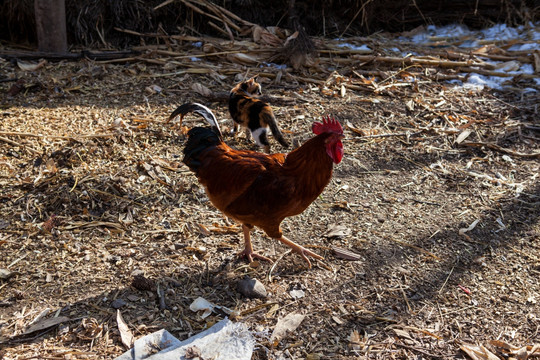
x=272 y=124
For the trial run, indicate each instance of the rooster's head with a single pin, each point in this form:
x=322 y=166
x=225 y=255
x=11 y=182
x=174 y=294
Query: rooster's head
x=334 y=147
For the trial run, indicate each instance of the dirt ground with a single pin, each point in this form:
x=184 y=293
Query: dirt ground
x=93 y=193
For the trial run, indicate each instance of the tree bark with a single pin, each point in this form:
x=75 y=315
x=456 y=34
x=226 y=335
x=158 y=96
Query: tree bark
x=51 y=25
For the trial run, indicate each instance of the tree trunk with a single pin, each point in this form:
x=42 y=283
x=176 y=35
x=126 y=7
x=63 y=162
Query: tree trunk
x=51 y=25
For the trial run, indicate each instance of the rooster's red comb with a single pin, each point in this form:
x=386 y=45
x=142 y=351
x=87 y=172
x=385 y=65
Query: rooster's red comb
x=328 y=125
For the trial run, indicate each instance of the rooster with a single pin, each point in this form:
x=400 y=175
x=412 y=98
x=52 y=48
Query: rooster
x=257 y=189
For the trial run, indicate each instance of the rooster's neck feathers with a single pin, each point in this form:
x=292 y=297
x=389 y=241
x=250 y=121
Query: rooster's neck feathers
x=312 y=164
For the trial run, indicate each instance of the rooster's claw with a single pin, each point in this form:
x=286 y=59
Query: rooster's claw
x=250 y=255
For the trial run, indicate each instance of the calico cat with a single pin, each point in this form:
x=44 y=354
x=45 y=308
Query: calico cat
x=253 y=114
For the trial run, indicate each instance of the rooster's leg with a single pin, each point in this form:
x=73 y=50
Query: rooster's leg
x=248 y=249
x=300 y=250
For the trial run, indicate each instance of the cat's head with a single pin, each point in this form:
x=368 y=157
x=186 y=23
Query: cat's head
x=251 y=86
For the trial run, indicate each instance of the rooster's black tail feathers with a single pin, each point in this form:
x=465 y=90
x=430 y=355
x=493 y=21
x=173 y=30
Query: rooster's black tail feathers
x=200 y=109
x=199 y=138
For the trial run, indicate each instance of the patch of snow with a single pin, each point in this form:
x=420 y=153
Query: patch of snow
x=355 y=47
x=501 y=32
x=526 y=69
x=525 y=47
x=528 y=37
x=479 y=82
x=273 y=65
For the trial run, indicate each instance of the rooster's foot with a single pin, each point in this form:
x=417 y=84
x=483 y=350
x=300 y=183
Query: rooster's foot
x=250 y=255
x=304 y=253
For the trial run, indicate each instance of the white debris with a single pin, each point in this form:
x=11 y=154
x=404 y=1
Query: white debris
x=225 y=340
x=201 y=304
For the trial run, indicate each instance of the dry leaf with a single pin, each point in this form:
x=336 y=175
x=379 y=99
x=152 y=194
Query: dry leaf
x=125 y=333
x=243 y=59
x=203 y=230
x=356 y=342
x=336 y=230
x=297 y=294
x=45 y=324
x=478 y=352
x=126 y=219
x=291 y=38
x=508 y=66
x=522 y=353
x=346 y=254
x=153 y=89
x=50 y=223
x=402 y=334
x=224 y=229
x=89 y=329
x=29 y=66
x=272 y=311
x=354 y=129
x=287 y=324
x=464 y=135
x=462 y=231
x=50 y=165
x=257 y=33
x=6 y=274
x=410 y=105
x=193 y=352
x=201 y=89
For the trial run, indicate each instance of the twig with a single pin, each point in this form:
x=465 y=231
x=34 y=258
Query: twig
x=501 y=149
x=416 y=248
x=426 y=202
x=8 y=80
x=446 y=280
x=412 y=348
x=161 y=296
x=275 y=263
x=390 y=135
x=14 y=143
x=162 y=231
x=22 y=134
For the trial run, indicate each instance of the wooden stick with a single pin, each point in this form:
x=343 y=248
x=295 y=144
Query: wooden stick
x=415 y=61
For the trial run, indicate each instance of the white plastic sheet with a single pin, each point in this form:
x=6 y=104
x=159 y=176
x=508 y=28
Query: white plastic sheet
x=225 y=340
